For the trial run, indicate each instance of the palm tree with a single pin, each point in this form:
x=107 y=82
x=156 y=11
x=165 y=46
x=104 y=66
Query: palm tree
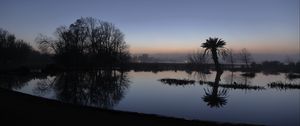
x=216 y=47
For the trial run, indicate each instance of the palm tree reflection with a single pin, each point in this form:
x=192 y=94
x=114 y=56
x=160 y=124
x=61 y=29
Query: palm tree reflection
x=214 y=97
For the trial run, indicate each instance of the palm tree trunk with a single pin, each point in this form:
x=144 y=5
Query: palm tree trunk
x=216 y=84
x=215 y=58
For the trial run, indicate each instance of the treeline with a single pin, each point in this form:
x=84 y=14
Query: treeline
x=16 y=54
x=274 y=66
x=87 y=43
x=241 y=61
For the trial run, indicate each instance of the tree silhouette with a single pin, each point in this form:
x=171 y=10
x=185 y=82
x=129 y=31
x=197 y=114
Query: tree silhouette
x=230 y=58
x=245 y=57
x=87 y=42
x=197 y=58
x=216 y=47
x=13 y=52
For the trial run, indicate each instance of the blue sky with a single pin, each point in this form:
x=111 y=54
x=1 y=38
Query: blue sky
x=167 y=26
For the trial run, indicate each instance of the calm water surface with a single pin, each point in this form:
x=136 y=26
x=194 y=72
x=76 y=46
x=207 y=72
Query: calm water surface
x=143 y=92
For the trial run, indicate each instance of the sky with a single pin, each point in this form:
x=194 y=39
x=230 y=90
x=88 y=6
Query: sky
x=167 y=26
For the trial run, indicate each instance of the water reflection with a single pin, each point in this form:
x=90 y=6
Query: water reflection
x=242 y=79
x=283 y=85
x=94 y=88
x=215 y=97
x=198 y=75
x=44 y=86
x=17 y=81
x=109 y=89
x=230 y=78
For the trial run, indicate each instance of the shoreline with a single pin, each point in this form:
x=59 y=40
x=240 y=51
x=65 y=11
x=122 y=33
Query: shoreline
x=16 y=106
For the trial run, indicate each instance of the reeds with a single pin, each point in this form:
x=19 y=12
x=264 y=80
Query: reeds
x=248 y=74
x=281 y=85
x=293 y=76
x=177 y=82
x=233 y=86
x=242 y=86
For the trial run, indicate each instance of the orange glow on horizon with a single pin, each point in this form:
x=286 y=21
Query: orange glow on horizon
x=153 y=50
x=264 y=49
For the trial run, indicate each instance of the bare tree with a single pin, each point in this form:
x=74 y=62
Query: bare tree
x=230 y=58
x=245 y=57
x=87 y=41
x=12 y=50
x=45 y=44
x=197 y=57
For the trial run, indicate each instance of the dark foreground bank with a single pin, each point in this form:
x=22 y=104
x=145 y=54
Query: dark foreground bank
x=22 y=108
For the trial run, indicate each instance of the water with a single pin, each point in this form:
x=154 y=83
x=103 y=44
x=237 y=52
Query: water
x=143 y=92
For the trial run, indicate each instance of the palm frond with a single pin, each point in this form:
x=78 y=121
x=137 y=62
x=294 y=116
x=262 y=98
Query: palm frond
x=205 y=52
x=220 y=43
x=223 y=52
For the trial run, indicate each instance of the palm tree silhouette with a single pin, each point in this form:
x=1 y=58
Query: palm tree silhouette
x=216 y=47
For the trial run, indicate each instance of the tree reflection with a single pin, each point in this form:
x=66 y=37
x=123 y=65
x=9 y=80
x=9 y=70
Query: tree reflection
x=17 y=81
x=198 y=75
x=94 y=88
x=246 y=81
x=232 y=78
x=44 y=86
x=215 y=97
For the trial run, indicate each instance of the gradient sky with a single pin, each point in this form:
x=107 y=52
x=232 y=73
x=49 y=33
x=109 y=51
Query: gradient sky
x=167 y=26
